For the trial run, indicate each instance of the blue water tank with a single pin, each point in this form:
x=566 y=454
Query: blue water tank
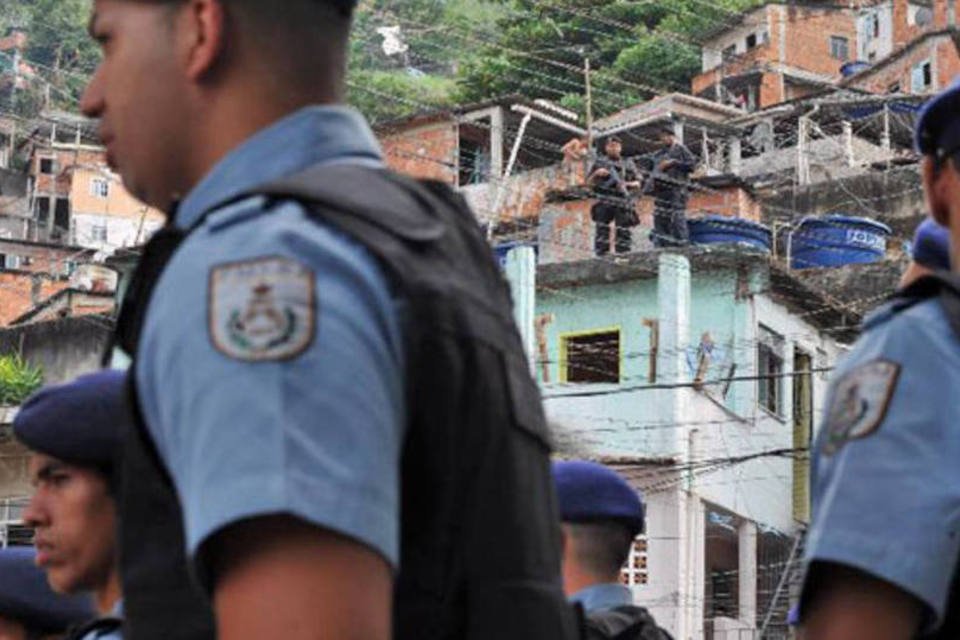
x=836 y=240
x=848 y=69
x=714 y=229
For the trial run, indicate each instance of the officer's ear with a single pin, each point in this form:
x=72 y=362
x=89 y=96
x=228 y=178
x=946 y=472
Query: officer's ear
x=935 y=178
x=202 y=34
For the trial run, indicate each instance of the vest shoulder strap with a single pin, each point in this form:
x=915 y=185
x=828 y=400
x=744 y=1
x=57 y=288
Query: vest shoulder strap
x=627 y=622
x=942 y=284
x=100 y=626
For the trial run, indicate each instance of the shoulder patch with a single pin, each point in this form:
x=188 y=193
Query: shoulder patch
x=262 y=309
x=860 y=402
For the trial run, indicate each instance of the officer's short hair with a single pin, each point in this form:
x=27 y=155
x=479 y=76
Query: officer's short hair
x=601 y=548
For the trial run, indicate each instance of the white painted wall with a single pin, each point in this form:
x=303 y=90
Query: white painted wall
x=688 y=425
x=121 y=232
x=871 y=48
x=756 y=22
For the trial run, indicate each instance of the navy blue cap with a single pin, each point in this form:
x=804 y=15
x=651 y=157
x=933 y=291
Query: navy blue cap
x=79 y=422
x=26 y=597
x=590 y=492
x=938 y=125
x=931 y=245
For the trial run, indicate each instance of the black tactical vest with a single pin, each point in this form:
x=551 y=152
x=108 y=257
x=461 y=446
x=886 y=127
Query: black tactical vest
x=479 y=532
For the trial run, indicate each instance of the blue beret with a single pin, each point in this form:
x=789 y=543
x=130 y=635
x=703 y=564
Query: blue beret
x=938 y=125
x=931 y=245
x=80 y=422
x=26 y=597
x=590 y=492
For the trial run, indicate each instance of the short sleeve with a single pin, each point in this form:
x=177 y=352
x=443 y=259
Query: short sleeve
x=270 y=376
x=886 y=483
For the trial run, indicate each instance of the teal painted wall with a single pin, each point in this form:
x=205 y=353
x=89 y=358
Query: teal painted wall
x=714 y=310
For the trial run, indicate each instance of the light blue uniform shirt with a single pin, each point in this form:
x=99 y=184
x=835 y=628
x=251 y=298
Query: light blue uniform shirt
x=886 y=465
x=270 y=368
x=600 y=597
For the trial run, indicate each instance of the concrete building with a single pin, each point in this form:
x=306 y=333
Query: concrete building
x=75 y=197
x=923 y=66
x=698 y=376
x=784 y=51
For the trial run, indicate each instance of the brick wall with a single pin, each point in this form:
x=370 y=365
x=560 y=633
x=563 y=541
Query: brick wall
x=799 y=38
x=429 y=151
x=808 y=33
x=730 y=201
x=38 y=258
x=20 y=291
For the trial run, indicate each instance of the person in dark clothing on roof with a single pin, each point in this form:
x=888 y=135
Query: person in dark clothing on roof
x=668 y=185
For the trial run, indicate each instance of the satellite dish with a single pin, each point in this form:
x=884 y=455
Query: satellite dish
x=924 y=17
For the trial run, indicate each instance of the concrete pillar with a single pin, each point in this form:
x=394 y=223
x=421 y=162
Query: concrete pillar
x=678 y=130
x=848 y=143
x=673 y=302
x=496 y=144
x=735 y=155
x=748 y=573
x=521 y=270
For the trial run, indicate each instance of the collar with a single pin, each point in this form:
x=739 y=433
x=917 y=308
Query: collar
x=603 y=596
x=313 y=135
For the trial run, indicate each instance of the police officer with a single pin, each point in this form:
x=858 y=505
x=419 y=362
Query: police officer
x=668 y=184
x=601 y=516
x=29 y=609
x=614 y=180
x=320 y=347
x=930 y=252
x=883 y=545
x=71 y=430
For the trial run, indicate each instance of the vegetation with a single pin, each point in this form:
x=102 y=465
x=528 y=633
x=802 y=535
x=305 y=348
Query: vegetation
x=18 y=379
x=441 y=52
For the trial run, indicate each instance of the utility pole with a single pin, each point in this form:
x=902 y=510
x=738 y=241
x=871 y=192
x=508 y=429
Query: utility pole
x=586 y=73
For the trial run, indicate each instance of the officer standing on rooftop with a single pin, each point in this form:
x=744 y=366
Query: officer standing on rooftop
x=882 y=550
x=29 y=609
x=72 y=431
x=319 y=347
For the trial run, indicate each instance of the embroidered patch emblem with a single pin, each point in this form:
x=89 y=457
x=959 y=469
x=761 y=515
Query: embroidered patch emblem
x=262 y=309
x=860 y=402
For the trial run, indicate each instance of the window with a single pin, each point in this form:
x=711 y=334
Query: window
x=10 y=261
x=729 y=52
x=751 y=41
x=722 y=564
x=41 y=208
x=921 y=77
x=634 y=572
x=874 y=25
x=475 y=160
x=61 y=215
x=770 y=371
x=99 y=187
x=839 y=48
x=98 y=232
x=46 y=166
x=591 y=357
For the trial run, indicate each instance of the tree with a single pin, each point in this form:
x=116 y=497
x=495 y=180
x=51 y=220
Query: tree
x=636 y=50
